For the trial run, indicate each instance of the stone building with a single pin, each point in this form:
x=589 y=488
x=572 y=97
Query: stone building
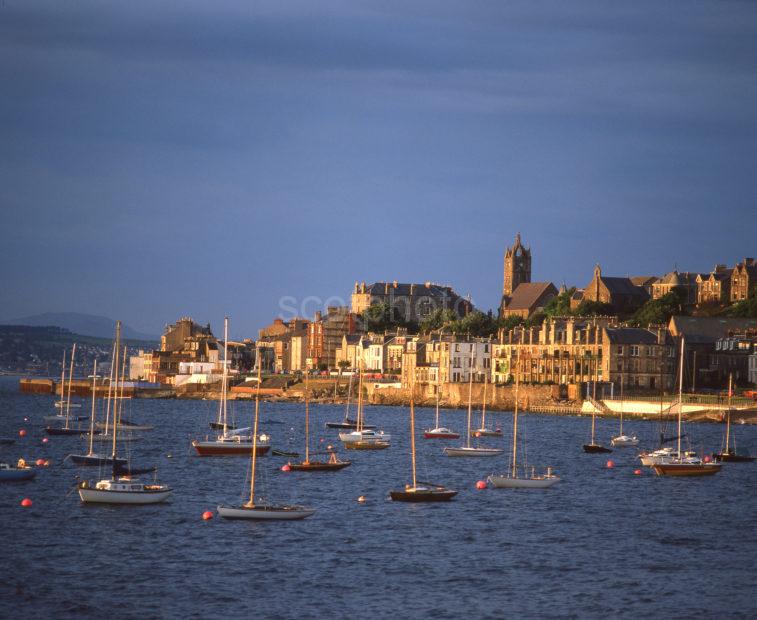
x=685 y=281
x=621 y=293
x=715 y=287
x=446 y=358
x=279 y=336
x=325 y=334
x=743 y=278
x=411 y=303
x=183 y=341
x=176 y=335
x=567 y=351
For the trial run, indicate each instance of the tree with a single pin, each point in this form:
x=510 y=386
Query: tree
x=659 y=311
x=594 y=308
x=746 y=308
x=560 y=305
x=475 y=323
x=437 y=319
x=377 y=317
x=509 y=322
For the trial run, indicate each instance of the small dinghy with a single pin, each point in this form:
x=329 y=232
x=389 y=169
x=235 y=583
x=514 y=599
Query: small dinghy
x=9 y=473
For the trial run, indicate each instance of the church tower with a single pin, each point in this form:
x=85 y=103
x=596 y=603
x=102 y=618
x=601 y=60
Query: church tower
x=517 y=267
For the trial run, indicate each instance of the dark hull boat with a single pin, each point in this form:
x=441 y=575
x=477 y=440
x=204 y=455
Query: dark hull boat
x=93 y=460
x=593 y=448
x=53 y=430
x=319 y=465
x=732 y=457
x=423 y=493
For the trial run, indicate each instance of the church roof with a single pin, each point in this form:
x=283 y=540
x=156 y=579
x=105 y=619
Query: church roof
x=528 y=294
x=622 y=286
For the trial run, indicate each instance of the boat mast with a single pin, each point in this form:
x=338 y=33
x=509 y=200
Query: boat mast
x=438 y=382
x=680 y=397
x=225 y=371
x=621 y=404
x=483 y=408
x=62 y=382
x=110 y=387
x=470 y=397
x=251 y=503
x=115 y=402
x=728 y=419
x=307 y=420
x=349 y=393
x=412 y=425
x=92 y=415
x=359 y=425
x=515 y=415
x=70 y=377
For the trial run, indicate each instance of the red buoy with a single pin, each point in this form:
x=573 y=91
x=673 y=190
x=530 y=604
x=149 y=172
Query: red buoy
x=26 y=502
x=637 y=472
x=478 y=434
x=40 y=462
x=22 y=433
x=45 y=440
x=610 y=464
x=481 y=484
x=207 y=515
x=286 y=468
x=707 y=459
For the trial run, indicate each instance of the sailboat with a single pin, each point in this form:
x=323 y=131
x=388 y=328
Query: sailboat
x=467 y=449
x=230 y=442
x=728 y=455
x=681 y=464
x=348 y=423
x=594 y=447
x=61 y=403
x=419 y=491
x=67 y=429
x=363 y=438
x=439 y=432
x=120 y=489
x=333 y=464
x=484 y=431
x=510 y=480
x=262 y=511
x=93 y=458
x=623 y=441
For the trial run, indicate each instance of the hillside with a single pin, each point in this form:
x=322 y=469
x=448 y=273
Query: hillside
x=83 y=324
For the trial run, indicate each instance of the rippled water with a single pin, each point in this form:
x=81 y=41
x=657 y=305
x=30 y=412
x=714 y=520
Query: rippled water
x=603 y=542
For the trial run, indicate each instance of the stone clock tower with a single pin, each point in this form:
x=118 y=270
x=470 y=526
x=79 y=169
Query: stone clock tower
x=517 y=267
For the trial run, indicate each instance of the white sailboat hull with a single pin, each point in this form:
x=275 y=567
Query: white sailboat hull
x=506 y=482
x=364 y=436
x=266 y=512
x=472 y=451
x=624 y=441
x=136 y=497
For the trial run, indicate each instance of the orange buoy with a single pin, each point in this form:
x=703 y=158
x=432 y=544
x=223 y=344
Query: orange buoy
x=478 y=434
x=610 y=464
x=637 y=472
x=286 y=468
x=22 y=433
x=40 y=462
x=361 y=499
x=481 y=484
x=207 y=515
x=329 y=447
x=26 y=502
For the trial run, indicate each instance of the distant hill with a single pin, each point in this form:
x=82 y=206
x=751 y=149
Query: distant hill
x=85 y=324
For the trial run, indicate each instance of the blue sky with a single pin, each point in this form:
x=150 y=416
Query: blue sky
x=215 y=157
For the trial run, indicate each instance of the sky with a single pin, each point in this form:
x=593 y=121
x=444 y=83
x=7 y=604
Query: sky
x=245 y=158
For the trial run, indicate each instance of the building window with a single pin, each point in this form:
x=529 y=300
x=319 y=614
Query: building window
x=634 y=350
x=620 y=350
